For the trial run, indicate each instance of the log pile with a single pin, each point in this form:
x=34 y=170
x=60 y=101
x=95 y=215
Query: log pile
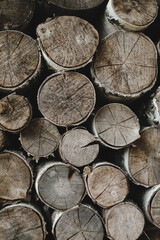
x=79 y=120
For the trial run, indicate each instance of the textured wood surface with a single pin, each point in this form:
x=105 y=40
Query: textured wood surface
x=155 y=209
x=40 y=138
x=116 y=125
x=67 y=42
x=15 y=113
x=81 y=222
x=4 y=141
x=20 y=59
x=125 y=65
x=66 y=98
x=78 y=147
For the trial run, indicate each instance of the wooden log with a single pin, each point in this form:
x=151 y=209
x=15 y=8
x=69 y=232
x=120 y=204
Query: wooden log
x=66 y=99
x=16 y=14
x=21 y=221
x=15 y=176
x=40 y=138
x=15 y=113
x=20 y=61
x=125 y=66
x=4 y=140
x=80 y=222
x=133 y=15
x=124 y=221
x=59 y=185
x=116 y=126
x=142 y=160
x=78 y=147
x=67 y=42
x=106 y=184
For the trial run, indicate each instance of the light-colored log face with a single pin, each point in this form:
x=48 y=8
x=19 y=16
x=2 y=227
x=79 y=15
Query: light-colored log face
x=15 y=113
x=61 y=187
x=40 y=138
x=78 y=147
x=116 y=125
x=66 y=99
x=20 y=58
x=20 y=222
x=15 y=177
x=124 y=221
x=107 y=186
x=68 y=41
x=125 y=64
x=16 y=14
x=144 y=158
x=155 y=209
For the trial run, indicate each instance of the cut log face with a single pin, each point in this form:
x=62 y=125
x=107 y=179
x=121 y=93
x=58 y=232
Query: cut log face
x=16 y=14
x=125 y=66
x=20 y=62
x=106 y=185
x=40 y=138
x=155 y=209
x=15 y=177
x=21 y=221
x=143 y=160
x=60 y=186
x=78 y=147
x=116 y=126
x=15 y=113
x=80 y=222
x=66 y=99
x=133 y=15
x=124 y=221
x=67 y=42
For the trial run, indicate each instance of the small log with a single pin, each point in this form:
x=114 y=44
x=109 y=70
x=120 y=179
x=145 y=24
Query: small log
x=133 y=15
x=66 y=99
x=67 y=42
x=80 y=222
x=40 y=138
x=20 y=61
x=15 y=177
x=124 y=221
x=78 y=147
x=21 y=221
x=125 y=66
x=16 y=14
x=142 y=160
x=59 y=185
x=15 y=113
x=106 y=184
x=116 y=126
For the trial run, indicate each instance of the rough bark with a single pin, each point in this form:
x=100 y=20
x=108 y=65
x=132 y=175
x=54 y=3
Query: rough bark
x=59 y=185
x=66 y=99
x=125 y=66
x=116 y=126
x=67 y=42
x=78 y=147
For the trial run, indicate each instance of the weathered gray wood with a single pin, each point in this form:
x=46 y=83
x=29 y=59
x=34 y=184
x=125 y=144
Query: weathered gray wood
x=66 y=99
x=125 y=65
x=59 y=185
x=78 y=147
x=116 y=126
x=67 y=42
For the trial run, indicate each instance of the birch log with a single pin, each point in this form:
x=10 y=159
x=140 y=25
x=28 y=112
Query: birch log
x=66 y=99
x=20 y=61
x=21 y=221
x=124 y=221
x=106 y=184
x=80 y=222
x=67 y=42
x=78 y=147
x=116 y=126
x=125 y=66
x=134 y=15
x=59 y=185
